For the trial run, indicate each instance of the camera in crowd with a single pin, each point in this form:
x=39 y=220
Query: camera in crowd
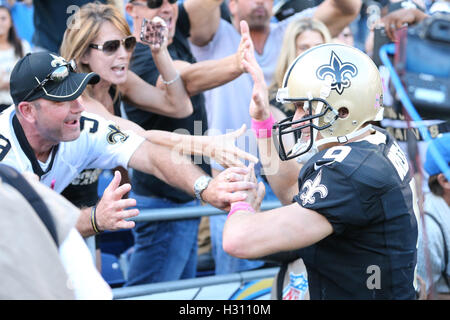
x=422 y=63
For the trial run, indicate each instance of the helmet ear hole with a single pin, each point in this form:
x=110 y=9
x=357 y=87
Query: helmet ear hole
x=343 y=112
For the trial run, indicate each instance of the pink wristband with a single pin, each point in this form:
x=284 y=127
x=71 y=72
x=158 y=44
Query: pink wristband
x=240 y=206
x=263 y=129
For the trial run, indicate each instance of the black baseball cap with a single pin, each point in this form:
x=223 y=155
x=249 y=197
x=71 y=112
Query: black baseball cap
x=35 y=67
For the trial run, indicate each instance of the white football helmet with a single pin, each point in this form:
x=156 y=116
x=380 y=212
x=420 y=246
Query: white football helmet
x=340 y=88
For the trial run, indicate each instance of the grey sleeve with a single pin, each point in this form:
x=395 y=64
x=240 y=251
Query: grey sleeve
x=430 y=253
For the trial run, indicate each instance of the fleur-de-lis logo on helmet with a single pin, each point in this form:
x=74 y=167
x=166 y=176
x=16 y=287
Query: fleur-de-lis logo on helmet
x=339 y=71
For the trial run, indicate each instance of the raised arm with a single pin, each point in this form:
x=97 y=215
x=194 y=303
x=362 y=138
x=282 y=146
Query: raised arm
x=401 y=17
x=157 y=99
x=221 y=148
x=337 y=14
x=204 y=18
x=169 y=99
x=209 y=74
x=282 y=175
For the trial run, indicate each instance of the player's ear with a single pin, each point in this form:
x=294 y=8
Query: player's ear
x=27 y=110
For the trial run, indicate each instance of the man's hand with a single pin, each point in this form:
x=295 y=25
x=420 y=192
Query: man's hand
x=111 y=213
x=398 y=18
x=227 y=187
x=223 y=150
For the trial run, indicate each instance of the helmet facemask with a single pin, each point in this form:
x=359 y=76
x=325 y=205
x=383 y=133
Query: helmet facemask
x=317 y=118
x=343 y=86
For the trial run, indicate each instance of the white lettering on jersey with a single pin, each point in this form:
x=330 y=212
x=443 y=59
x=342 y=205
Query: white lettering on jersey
x=5 y=146
x=338 y=153
x=313 y=187
x=398 y=159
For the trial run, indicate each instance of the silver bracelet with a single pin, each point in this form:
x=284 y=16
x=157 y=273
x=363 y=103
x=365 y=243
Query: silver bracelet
x=171 y=81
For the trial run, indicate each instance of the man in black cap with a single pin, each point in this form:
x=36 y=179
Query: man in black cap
x=48 y=132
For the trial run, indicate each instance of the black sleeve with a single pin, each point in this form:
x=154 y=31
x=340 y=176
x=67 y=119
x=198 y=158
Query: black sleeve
x=143 y=65
x=332 y=194
x=183 y=23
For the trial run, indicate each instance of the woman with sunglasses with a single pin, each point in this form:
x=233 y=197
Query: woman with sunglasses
x=103 y=45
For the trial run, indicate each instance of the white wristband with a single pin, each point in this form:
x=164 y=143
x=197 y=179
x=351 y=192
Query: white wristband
x=171 y=81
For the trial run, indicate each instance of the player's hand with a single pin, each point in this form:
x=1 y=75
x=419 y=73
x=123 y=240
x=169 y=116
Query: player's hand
x=111 y=212
x=254 y=196
x=227 y=187
x=259 y=106
x=155 y=33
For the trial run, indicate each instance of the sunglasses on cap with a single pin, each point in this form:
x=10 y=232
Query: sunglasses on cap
x=153 y=4
x=111 y=46
x=57 y=75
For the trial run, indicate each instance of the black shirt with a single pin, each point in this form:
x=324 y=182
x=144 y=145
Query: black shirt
x=143 y=65
x=51 y=19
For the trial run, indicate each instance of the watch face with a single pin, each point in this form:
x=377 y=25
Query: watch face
x=202 y=183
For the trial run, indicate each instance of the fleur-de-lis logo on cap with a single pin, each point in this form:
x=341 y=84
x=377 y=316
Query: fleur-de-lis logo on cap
x=57 y=61
x=339 y=71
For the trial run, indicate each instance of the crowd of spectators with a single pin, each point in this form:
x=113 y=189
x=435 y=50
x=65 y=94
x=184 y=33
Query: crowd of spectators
x=188 y=73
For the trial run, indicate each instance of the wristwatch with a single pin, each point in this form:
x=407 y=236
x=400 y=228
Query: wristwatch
x=201 y=184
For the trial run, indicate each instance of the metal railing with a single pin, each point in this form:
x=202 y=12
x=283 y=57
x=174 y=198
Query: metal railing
x=165 y=214
x=189 y=212
x=169 y=286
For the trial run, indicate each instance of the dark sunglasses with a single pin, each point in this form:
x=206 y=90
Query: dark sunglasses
x=57 y=75
x=111 y=46
x=154 y=4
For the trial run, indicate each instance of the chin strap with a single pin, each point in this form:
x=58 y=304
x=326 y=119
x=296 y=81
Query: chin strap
x=346 y=138
x=315 y=147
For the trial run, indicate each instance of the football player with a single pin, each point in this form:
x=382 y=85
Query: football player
x=47 y=132
x=349 y=207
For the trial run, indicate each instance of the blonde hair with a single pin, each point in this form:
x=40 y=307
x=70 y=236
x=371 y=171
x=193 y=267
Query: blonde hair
x=289 y=50
x=90 y=17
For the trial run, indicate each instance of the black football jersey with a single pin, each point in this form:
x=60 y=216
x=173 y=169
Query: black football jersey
x=364 y=189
